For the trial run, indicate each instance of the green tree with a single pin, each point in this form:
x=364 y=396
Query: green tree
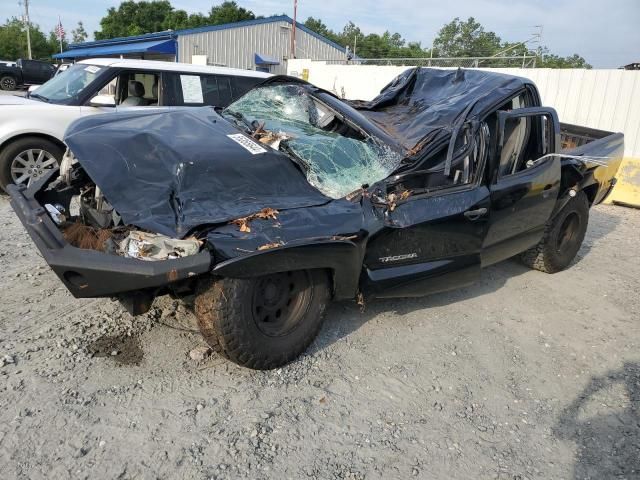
x=549 y=60
x=465 y=39
x=229 y=12
x=79 y=34
x=318 y=26
x=134 y=18
x=53 y=44
x=179 y=19
x=13 y=41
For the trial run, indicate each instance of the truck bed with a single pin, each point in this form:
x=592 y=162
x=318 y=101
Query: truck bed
x=602 y=152
x=578 y=140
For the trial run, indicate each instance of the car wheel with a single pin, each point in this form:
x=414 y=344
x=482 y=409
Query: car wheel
x=562 y=238
x=8 y=83
x=263 y=322
x=28 y=159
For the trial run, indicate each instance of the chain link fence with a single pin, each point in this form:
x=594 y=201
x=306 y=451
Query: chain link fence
x=522 y=61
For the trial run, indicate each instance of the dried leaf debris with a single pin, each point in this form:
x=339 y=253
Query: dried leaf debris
x=264 y=214
x=394 y=198
x=269 y=246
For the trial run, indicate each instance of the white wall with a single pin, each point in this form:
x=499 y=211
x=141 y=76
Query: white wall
x=604 y=99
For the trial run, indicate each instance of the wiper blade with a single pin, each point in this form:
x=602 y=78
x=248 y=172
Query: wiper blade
x=295 y=157
x=39 y=97
x=241 y=117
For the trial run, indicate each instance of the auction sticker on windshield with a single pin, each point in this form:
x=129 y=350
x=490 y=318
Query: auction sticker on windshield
x=248 y=144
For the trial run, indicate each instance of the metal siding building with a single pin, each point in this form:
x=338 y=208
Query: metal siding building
x=237 y=44
x=266 y=41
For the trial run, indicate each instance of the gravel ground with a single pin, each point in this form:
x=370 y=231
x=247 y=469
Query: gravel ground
x=524 y=375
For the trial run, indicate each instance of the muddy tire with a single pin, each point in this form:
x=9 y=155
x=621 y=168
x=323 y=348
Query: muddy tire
x=563 y=236
x=263 y=322
x=27 y=159
x=8 y=83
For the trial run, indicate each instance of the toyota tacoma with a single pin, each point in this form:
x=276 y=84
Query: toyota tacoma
x=290 y=198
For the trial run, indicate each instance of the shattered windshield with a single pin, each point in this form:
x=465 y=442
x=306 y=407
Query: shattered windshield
x=337 y=157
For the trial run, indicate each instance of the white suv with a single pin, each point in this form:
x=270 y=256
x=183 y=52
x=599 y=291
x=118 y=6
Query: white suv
x=32 y=128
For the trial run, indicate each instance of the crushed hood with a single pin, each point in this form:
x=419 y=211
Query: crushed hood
x=168 y=171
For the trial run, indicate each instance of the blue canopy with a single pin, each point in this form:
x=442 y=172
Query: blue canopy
x=265 y=60
x=152 y=46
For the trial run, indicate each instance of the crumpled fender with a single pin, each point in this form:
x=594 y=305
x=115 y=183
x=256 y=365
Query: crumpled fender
x=343 y=257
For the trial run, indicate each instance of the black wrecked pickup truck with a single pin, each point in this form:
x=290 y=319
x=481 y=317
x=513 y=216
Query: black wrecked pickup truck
x=291 y=198
x=25 y=72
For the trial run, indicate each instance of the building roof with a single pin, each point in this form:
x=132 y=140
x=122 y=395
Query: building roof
x=167 y=46
x=171 y=34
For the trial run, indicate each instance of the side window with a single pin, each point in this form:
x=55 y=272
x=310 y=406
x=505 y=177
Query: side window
x=210 y=90
x=242 y=85
x=189 y=90
x=517 y=132
x=523 y=138
x=137 y=89
x=109 y=88
x=224 y=91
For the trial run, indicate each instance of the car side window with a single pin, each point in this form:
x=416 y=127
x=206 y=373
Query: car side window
x=224 y=90
x=137 y=88
x=210 y=93
x=109 y=88
x=214 y=90
x=241 y=85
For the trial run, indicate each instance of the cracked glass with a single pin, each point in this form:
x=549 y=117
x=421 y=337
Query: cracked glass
x=336 y=158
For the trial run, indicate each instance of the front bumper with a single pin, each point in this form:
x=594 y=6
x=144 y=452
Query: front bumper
x=88 y=273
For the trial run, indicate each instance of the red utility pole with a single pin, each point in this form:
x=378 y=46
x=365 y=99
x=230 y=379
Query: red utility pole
x=293 y=29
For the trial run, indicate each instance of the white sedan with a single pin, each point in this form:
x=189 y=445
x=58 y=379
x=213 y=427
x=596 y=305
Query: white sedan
x=32 y=128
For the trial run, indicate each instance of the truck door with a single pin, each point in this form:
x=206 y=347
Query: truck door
x=524 y=181
x=432 y=241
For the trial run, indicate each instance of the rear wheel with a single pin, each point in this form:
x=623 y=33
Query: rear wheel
x=562 y=238
x=8 y=83
x=27 y=159
x=262 y=322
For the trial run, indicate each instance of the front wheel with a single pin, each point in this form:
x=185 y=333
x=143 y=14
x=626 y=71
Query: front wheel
x=263 y=322
x=27 y=159
x=562 y=237
x=8 y=83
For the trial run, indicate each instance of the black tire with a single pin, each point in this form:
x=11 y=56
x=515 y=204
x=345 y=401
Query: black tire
x=8 y=83
x=563 y=236
x=263 y=322
x=13 y=149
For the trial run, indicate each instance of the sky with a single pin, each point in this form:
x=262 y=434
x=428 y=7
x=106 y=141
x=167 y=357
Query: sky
x=605 y=32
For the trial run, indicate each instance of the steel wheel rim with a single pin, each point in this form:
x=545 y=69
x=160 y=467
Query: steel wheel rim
x=568 y=232
x=8 y=83
x=29 y=165
x=280 y=302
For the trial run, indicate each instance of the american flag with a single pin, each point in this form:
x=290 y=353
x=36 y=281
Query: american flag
x=60 y=30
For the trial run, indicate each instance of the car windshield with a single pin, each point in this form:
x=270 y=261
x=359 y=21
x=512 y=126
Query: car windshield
x=69 y=83
x=337 y=157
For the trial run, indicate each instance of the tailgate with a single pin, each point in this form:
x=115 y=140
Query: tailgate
x=602 y=154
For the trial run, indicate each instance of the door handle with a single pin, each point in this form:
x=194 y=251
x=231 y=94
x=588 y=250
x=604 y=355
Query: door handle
x=475 y=214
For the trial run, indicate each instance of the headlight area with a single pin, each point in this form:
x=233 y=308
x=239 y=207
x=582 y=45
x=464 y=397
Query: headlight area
x=94 y=255
x=88 y=221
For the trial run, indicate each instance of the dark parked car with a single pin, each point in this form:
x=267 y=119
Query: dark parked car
x=290 y=198
x=24 y=73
